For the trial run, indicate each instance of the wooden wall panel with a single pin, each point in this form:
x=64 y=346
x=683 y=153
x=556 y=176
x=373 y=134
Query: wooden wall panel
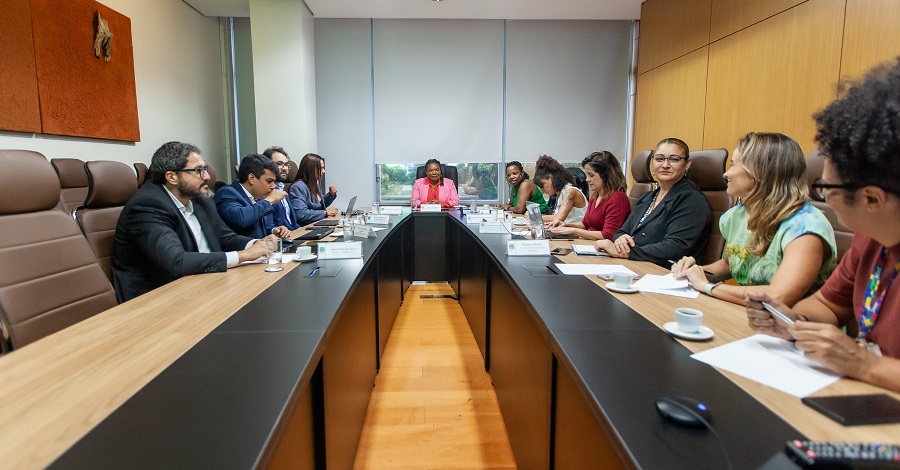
x=19 y=105
x=670 y=102
x=871 y=35
x=81 y=95
x=774 y=75
x=729 y=16
x=671 y=29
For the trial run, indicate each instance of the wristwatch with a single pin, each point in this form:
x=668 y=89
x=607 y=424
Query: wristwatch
x=710 y=286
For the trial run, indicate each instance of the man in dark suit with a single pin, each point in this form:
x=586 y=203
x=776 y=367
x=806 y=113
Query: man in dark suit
x=248 y=205
x=284 y=212
x=170 y=227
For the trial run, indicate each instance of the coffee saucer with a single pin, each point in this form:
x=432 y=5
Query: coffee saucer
x=627 y=290
x=305 y=258
x=702 y=335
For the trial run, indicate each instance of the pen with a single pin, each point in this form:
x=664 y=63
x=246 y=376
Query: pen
x=777 y=314
x=313 y=272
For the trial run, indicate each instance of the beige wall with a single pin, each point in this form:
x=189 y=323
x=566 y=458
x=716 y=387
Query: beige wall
x=736 y=66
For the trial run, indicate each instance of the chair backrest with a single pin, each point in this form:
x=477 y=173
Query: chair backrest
x=293 y=171
x=109 y=187
x=843 y=236
x=581 y=181
x=49 y=277
x=140 y=170
x=73 y=183
x=449 y=171
x=214 y=183
x=640 y=171
x=707 y=167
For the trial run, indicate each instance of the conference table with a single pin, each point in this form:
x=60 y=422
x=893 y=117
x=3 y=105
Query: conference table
x=250 y=369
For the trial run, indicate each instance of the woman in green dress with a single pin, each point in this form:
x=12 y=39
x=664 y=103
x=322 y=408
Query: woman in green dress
x=521 y=190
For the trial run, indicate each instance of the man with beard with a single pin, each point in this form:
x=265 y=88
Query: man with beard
x=284 y=213
x=170 y=227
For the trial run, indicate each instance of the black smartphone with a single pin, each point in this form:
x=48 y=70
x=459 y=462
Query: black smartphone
x=852 y=410
x=560 y=251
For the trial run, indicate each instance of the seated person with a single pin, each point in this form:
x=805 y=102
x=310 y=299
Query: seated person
x=248 y=204
x=608 y=206
x=774 y=238
x=170 y=227
x=284 y=213
x=859 y=135
x=434 y=188
x=521 y=190
x=669 y=222
x=309 y=204
x=556 y=180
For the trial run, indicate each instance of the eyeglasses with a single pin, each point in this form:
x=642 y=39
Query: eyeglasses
x=200 y=170
x=819 y=187
x=282 y=164
x=673 y=159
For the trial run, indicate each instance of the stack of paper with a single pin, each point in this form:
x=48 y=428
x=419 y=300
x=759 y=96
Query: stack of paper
x=589 y=269
x=666 y=285
x=589 y=250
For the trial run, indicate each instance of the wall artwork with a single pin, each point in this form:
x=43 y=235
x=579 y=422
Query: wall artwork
x=83 y=66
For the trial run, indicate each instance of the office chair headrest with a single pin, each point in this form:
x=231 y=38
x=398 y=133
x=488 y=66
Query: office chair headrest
x=109 y=183
x=71 y=172
x=27 y=183
x=814 y=164
x=707 y=167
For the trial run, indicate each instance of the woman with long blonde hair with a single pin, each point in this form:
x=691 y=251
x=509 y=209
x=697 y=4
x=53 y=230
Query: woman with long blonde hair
x=775 y=240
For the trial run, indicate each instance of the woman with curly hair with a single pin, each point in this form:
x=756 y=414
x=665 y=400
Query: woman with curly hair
x=775 y=240
x=556 y=180
x=608 y=206
x=521 y=190
x=859 y=135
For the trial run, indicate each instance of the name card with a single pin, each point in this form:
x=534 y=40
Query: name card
x=494 y=227
x=363 y=231
x=380 y=219
x=340 y=250
x=390 y=210
x=477 y=218
x=528 y=248
x=430 y=207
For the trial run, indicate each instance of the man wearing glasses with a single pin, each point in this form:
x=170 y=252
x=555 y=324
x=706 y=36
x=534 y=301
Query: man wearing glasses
x=859 y=135
x=248 y=205
x=170 y=227
x=284 y=213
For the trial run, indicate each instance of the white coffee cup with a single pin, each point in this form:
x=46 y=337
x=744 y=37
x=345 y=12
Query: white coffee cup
x=304 y=251
x=688 y=319
x=623 y=280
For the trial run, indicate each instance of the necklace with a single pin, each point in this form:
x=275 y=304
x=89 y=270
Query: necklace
x=649 y=209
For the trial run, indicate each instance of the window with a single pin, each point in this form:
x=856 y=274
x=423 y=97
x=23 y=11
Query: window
x=477 y=181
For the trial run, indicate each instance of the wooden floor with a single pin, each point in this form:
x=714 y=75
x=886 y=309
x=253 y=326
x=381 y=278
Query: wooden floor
x=433 y=405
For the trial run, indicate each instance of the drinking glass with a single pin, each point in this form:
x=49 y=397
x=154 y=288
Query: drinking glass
x=273 y=255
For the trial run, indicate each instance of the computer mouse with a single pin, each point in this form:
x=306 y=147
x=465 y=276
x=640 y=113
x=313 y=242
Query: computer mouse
x=683 y=410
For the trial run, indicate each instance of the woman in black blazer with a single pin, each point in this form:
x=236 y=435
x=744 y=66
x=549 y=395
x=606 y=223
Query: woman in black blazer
x=668 y=222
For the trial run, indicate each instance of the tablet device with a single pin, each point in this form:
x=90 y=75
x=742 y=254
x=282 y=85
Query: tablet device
x=852 y=410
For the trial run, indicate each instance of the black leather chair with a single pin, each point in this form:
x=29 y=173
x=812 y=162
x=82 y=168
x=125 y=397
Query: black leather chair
x=448 y=171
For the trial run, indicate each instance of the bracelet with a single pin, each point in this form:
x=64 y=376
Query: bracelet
x=710 y=286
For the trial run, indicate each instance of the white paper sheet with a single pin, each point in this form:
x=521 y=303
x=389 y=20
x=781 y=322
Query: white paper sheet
x=770 y=361
x=589 y=269
x=588 y=250
x=666 y=285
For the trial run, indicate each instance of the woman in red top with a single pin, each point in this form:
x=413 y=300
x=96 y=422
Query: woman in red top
x=608 y=207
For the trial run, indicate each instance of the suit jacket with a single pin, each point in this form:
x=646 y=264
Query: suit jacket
x=242 y=215
x=679 y=225
x=284 y=212
x=306 y=210
x=446 y=192
x=154 y=245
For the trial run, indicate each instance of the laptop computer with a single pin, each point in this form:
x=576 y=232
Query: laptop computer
x=334 y=222
x=317 y=233
x=534 y=214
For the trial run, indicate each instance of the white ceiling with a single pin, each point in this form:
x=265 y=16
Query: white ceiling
x=470 y=9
